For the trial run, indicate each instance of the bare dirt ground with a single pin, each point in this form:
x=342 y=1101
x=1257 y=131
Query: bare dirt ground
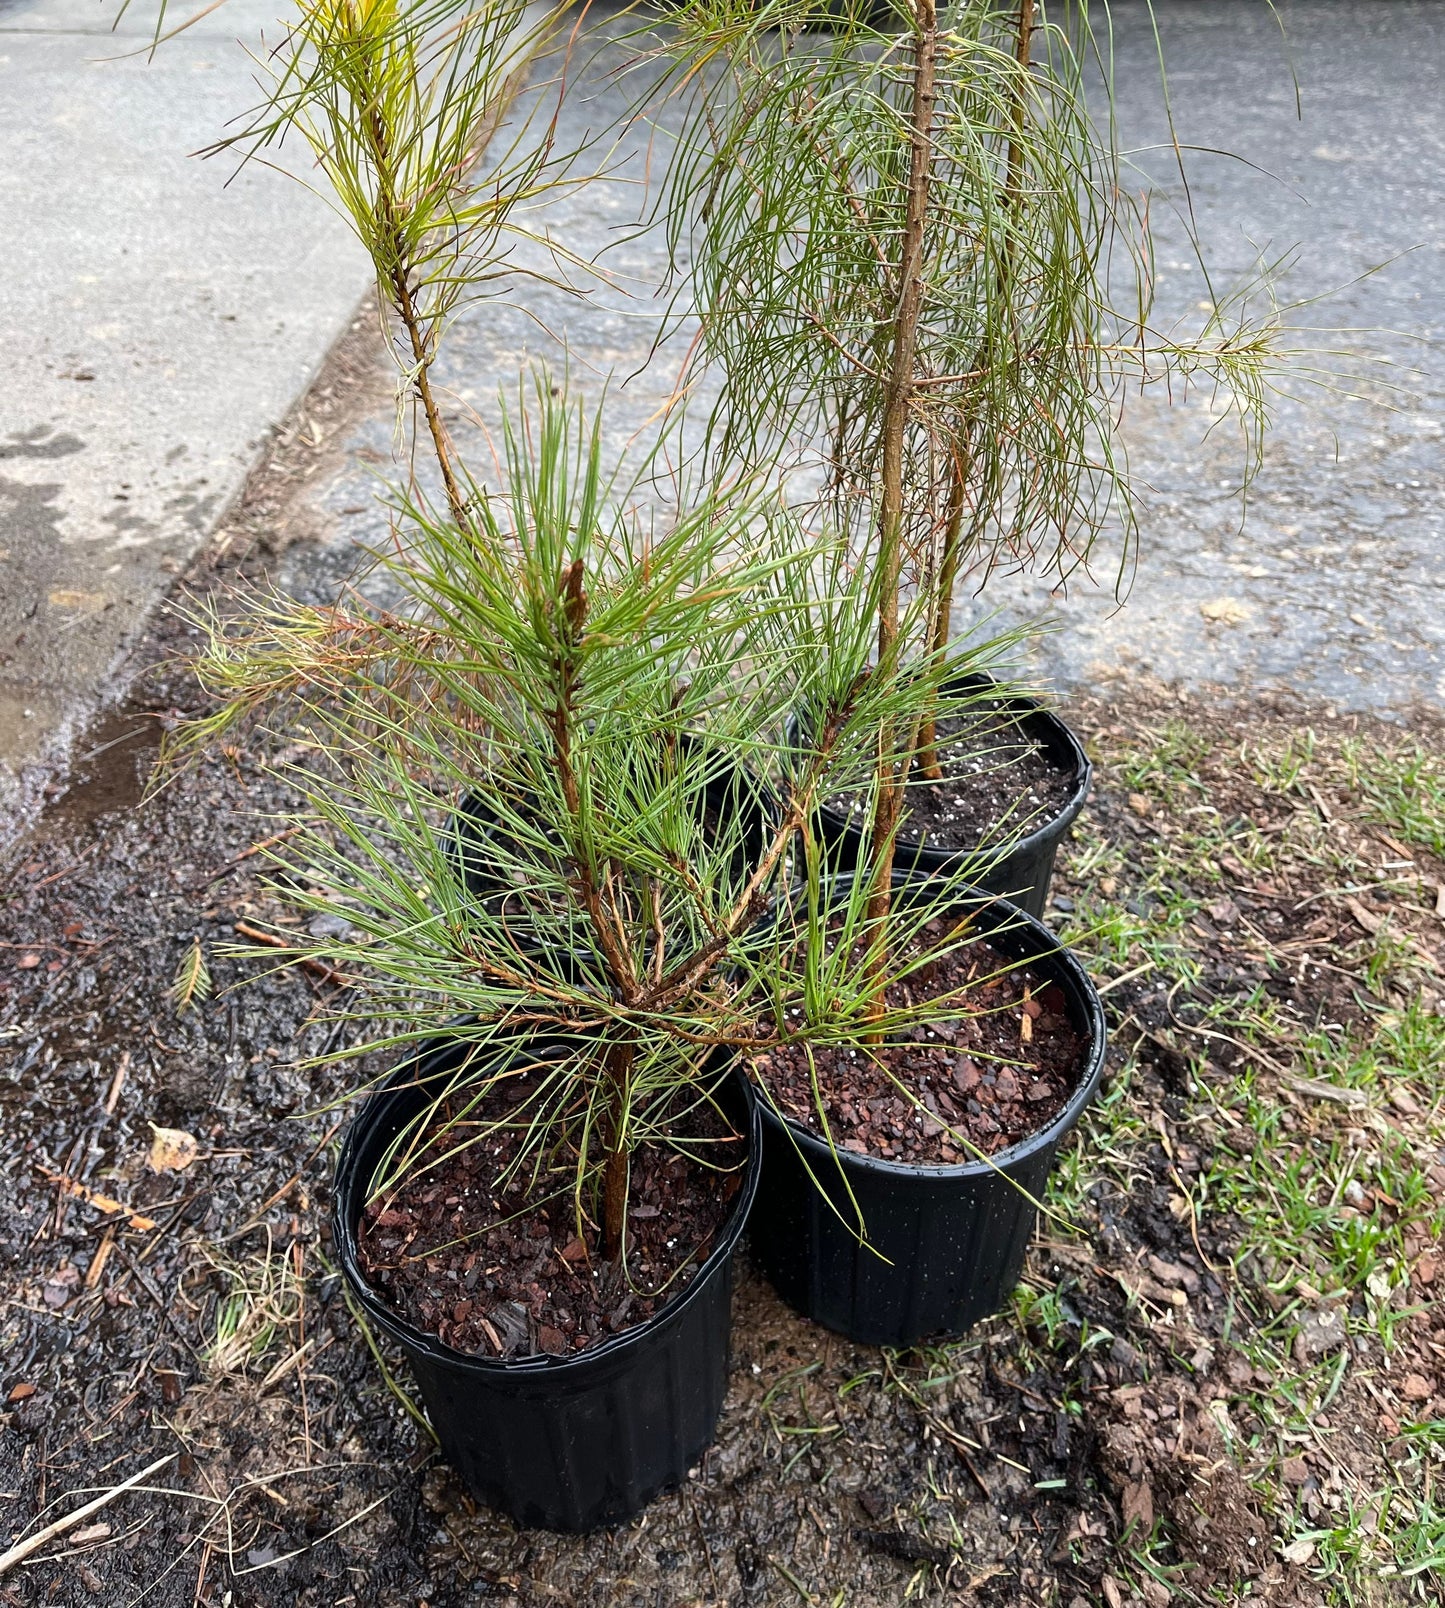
x=1224 y=1376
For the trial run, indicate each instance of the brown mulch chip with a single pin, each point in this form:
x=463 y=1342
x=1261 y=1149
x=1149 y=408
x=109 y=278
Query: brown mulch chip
x=978 y=1076
x=491 y=1276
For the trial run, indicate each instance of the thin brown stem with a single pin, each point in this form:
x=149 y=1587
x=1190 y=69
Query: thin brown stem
x=1023 y=46
x=398 y=283
x=421 y=379
x=618 y=1068
x=897 y=407
x=929 y=768
x=689 y=972
x=572 y=602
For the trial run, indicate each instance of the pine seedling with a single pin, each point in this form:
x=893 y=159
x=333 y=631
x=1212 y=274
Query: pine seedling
x=600 y=689
x=910 y=239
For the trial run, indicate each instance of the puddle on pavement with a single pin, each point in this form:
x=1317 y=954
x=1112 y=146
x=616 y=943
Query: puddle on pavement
x=112 y=765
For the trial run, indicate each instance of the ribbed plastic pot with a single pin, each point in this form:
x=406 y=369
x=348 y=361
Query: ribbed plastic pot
x=1024 y=872
x=563 y=1443
x=948 y=1242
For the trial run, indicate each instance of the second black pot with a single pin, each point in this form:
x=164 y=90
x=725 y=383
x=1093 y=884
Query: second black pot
x=946 y=1244
x=566 y=1443
x=1022 y=872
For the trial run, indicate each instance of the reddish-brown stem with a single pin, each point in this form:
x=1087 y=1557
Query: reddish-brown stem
x=929 y=768
x=421 y=358
x=897 y=406
x=572 y=603
x=1023 y=46
x=398 y=283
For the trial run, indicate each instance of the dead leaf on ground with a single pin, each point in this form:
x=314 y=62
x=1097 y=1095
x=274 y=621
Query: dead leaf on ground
x=1328 y=1091
x=172 y=1149
x=1138 y=1507
x=61 y=1285
x=1366 y=918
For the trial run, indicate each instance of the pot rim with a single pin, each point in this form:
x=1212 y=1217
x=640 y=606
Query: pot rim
x=1051 y=952
x=1028 y=708
x=578 y=1363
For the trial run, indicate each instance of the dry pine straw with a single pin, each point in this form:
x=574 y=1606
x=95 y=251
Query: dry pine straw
x=992 y=1077
x=491 y=1274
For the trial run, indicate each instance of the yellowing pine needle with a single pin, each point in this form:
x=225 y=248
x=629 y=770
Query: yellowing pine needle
x=192 y=982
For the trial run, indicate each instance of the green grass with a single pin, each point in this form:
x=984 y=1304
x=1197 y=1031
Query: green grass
x=1403 y=790
x=1321 y=1185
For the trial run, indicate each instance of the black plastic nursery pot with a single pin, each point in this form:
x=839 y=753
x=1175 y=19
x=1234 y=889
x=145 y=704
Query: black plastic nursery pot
x=565 y=1443
x=1024 y=871
x=946 y=1244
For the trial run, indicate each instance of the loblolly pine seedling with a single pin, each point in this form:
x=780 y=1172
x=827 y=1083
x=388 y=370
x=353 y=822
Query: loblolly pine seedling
x=910 y=239
x=597 y=681
x=592 y=677
x=397 y=102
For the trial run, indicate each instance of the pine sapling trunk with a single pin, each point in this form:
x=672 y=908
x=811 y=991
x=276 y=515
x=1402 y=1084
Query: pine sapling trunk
x=928 y=766
x=947 y=577
x=897 y=407
x=1023 y=50
x=570 y=604
x=396 y=277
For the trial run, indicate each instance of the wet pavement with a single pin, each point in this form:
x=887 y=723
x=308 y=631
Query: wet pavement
x=155 y=322
x=1328 y=583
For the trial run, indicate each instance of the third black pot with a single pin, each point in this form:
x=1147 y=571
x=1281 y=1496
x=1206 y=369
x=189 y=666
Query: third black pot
x=946 y=1243
x=1021 y=873
x=569 y=1443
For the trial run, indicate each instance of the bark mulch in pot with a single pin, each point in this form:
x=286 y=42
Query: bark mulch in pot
x=980 y=1075
x=490 y=1274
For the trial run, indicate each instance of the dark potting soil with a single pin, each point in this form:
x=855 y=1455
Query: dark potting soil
x=490 y=1275
x=978 y=1075
x=994 y=776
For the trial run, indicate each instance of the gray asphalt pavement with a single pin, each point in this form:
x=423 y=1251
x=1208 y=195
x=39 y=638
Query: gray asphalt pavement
x=1330 y=579
x=154 y=324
